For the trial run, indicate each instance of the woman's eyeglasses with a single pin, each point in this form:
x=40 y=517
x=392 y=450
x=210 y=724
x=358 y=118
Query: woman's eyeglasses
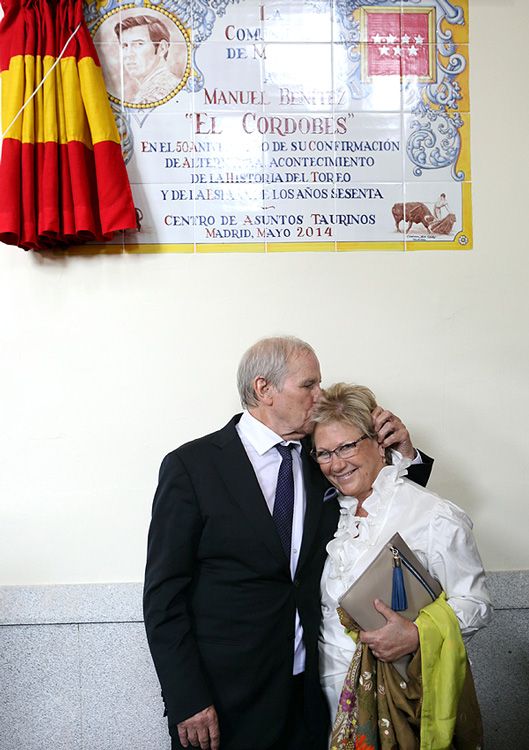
x=347 y=450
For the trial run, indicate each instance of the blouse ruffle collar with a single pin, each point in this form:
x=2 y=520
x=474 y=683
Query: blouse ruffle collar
x=356 y=534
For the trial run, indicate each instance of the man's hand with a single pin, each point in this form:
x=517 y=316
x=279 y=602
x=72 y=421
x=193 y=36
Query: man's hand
x=200 y=730
x=392 y=433
x=396 y=638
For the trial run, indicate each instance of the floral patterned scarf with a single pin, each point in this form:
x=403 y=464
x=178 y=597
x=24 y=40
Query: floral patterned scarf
x=379 y=710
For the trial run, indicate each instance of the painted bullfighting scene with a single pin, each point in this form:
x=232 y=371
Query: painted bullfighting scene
x=439 y=220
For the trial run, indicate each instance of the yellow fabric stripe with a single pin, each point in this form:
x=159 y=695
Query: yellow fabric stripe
x=72 y=104
x=97 y=106
x=12 y=95
x=443 y=667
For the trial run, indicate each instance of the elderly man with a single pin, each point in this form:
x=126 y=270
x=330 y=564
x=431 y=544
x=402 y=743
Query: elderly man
x=235 y=554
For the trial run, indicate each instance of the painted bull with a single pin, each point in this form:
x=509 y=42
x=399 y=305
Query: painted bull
x=413 y=213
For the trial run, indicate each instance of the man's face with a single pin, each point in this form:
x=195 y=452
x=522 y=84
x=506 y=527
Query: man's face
x=292 y=405
x=139 y=53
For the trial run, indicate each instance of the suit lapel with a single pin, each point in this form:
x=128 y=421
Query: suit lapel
x=237 y=472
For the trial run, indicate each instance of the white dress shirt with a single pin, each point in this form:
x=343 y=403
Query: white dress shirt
x=259 y=442
x=436 y=530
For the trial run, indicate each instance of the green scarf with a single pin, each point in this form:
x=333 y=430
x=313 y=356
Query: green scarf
x=444 y=665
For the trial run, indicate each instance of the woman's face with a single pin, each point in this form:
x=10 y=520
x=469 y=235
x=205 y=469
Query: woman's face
x=352 y=476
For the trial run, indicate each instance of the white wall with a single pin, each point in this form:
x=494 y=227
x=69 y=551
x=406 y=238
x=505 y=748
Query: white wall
x=110 y=362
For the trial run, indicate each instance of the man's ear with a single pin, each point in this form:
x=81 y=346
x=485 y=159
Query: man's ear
x=162 y=49
x=263 y=390
x=382 y=451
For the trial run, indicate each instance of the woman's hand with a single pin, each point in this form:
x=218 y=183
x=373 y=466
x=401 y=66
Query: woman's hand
x=396 y=638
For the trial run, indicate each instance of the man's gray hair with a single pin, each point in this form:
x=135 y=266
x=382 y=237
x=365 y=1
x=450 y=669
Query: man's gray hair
x=268 y=359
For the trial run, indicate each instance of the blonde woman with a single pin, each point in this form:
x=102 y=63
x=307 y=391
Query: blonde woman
x=376 y=501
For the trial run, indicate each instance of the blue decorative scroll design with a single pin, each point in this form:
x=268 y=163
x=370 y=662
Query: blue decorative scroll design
x=122 y=118
x=435 y=139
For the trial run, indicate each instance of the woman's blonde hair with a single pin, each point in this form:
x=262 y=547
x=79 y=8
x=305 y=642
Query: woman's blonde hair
x=348 y=404
x=344 y=402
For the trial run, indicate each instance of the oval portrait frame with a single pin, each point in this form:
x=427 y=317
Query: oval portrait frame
x=186 y=38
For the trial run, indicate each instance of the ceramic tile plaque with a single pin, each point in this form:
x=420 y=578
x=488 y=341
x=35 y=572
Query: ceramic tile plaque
x=277 y=126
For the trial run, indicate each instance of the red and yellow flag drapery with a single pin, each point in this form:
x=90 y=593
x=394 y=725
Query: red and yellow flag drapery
x=62 y=176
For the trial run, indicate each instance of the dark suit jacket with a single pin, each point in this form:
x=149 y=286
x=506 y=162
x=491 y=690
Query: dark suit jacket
x=219 y=600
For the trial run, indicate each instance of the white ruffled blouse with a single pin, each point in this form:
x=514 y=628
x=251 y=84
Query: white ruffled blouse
x=436 y=530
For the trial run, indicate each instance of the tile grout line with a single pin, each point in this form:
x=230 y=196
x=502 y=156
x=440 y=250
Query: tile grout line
x=81 y=706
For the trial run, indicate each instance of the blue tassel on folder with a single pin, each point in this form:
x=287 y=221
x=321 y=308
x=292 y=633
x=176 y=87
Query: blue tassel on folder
x=399 y=601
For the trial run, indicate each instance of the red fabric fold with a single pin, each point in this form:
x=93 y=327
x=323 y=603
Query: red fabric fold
x=55 y=192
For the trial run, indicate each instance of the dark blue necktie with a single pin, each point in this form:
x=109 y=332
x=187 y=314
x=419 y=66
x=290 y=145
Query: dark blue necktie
x=284 y=501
